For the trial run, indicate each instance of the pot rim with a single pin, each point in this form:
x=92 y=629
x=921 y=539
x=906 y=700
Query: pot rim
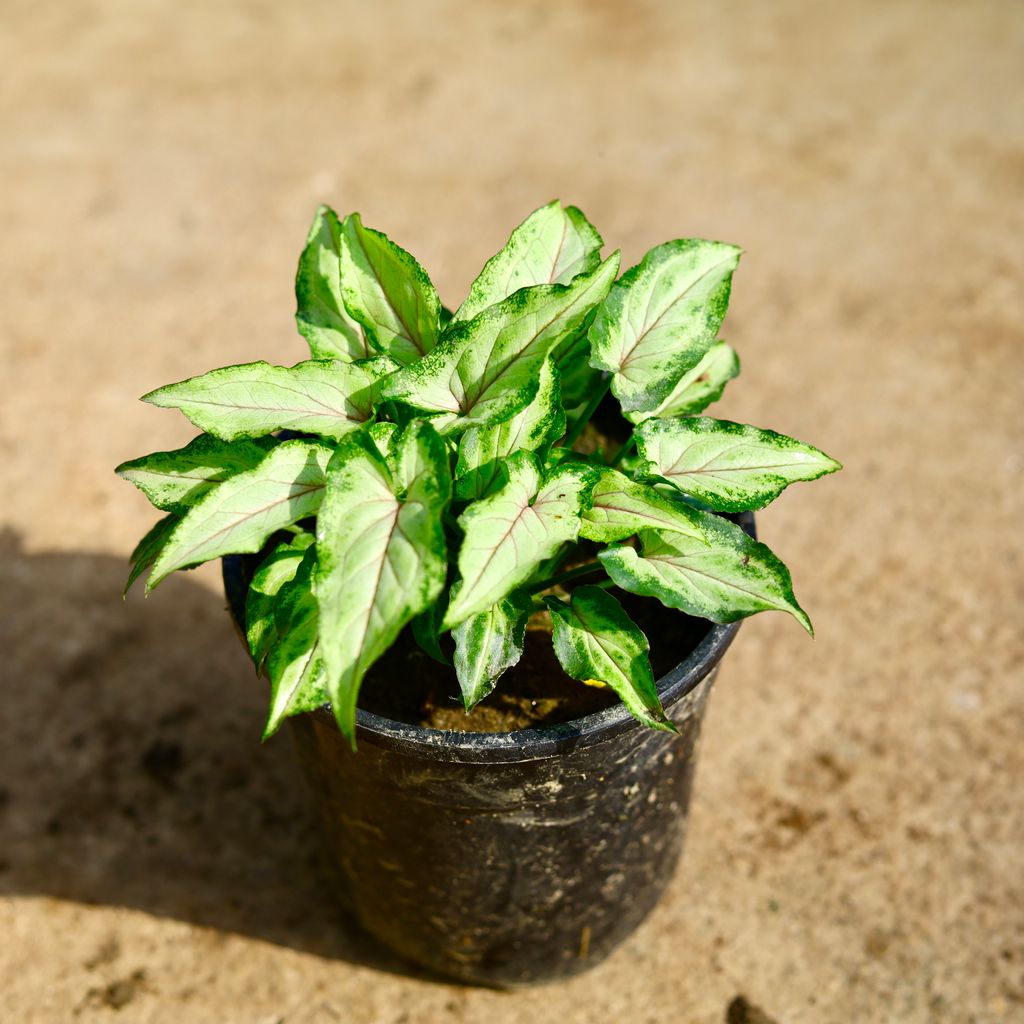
x=543 y=741
x=522 y=744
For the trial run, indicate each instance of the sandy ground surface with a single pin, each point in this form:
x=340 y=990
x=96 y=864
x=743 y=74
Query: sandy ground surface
x=856 y=840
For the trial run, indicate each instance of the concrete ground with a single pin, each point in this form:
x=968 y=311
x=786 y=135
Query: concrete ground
x=856 y=842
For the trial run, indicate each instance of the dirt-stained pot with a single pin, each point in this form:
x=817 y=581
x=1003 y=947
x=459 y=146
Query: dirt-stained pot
x=506 y=859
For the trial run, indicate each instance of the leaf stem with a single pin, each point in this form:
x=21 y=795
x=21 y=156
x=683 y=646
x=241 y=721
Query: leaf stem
x=555 y=562
x=591 y=407
x=563 y=577
x=623 y=451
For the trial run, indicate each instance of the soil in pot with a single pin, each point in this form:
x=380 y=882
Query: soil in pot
x=534 y=693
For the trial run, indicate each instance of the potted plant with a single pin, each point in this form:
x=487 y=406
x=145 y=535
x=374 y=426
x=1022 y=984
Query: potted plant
x=434 y=493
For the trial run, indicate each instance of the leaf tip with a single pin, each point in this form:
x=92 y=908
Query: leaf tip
x=803 y=618
x=153 y=397
x=346 y=719
x=153 y=580
x=655 y=718
x=665 y=724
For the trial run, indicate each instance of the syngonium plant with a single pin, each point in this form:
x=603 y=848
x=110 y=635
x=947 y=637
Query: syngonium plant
x=429 y=472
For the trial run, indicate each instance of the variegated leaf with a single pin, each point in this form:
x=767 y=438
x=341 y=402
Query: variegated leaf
x=174 y=480
x=661 y=318
x=596 y=640
x=487 y=369
x=381 y=546
x=273 y=573
x=552 y=246
x=388 y=293
x=321 y=315
x=238 y=516
x=489 y=643
x=148 y=549
x=728 y=466
x=316 y=397
x=699 y=387
x=725 y=579
x=510 y=533
x=295 y=663
x=621 y=507
x=481 y=449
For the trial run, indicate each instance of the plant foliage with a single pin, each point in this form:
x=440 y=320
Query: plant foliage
x=433 y=475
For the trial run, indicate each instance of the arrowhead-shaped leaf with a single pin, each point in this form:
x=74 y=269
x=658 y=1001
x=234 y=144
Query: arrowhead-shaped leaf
x=726 y=579
x=295 y=663
x=488 y=644
x=239 y=515
x=388 y=293
x=148 y=549
x=317 y=397
x=552 y=246
x=481 y=449
x=728 y=466
x=321 y=315
x=381 y=546
x=620 y=507
x=487 y=369
x=175 y=480
x=595 y=639
x=661 y=318
x=510 y=533
x=277 y=569
x=699 y=387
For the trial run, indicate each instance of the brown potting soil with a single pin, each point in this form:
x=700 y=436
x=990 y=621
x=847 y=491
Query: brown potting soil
x=407 y=685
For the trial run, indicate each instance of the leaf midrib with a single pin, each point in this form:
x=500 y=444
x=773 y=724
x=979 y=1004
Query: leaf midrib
x=648 y=328
x=165 y=475
x=597 y=638
x=301 y=675
x=409 y=335
x=686 y=569
x=252 y=515
x=667 y=516
x=486 y=385
x=329 y=410
x=371 y=604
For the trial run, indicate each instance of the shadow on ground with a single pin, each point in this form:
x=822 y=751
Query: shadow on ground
x=131 y=771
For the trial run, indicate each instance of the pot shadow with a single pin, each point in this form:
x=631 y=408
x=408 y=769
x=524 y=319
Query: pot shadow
x=131 y=770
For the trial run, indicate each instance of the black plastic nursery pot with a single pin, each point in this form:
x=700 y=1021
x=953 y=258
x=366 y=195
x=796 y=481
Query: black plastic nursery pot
x=505 y=859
